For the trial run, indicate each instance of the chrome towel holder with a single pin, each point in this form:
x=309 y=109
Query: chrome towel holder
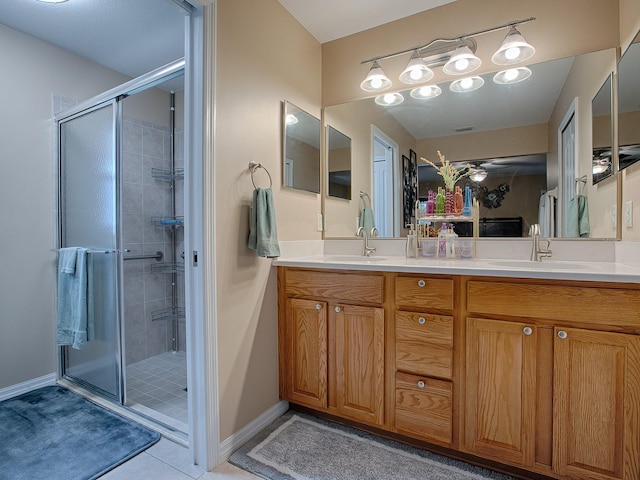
x=253 y=166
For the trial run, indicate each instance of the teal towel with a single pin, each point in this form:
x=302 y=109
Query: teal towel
x=263 y=236
x=367 y=221
x=74 y=325
x=578 y=217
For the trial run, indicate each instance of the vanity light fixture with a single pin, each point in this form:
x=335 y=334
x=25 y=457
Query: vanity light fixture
x=513 y=75
x=462 y=61
x=290 y=119
x=514 y=49
x=478 y=174
x=456 y=54
x=426 y=92
x=376 y=80
x=389 y=99
x=416 y=70
x=468 y=84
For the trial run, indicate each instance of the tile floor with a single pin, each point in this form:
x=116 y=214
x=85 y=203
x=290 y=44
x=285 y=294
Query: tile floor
x=159 y=383
x=169 y=461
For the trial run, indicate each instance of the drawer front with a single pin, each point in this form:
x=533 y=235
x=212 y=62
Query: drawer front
x=424 y=344
x=347 y=287
x=424 y=292
x=424 y=408
x=553 y=302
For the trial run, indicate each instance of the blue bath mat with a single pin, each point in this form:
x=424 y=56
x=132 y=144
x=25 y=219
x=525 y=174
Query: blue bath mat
x=54 y=434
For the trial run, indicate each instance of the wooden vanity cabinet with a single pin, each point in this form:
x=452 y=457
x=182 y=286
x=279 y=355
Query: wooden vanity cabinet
x=424 y=332
x=550 y=389
x=332 y=342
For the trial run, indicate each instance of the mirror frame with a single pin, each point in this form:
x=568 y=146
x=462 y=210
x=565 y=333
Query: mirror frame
x=307 y=136
x=621 y=144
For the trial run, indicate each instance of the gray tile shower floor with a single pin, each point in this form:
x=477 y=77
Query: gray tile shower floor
x=159 y=384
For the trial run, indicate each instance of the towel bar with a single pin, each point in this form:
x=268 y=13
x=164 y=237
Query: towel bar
x=253 y=166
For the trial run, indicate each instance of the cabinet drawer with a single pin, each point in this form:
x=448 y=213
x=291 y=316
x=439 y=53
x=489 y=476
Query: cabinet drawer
x=424 y=292
x=347 y=287
x=556 y=302
x=424 y=344
x=423 y=407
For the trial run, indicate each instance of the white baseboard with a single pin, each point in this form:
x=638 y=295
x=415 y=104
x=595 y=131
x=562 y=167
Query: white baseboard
x=242 y=436
x=24 y=387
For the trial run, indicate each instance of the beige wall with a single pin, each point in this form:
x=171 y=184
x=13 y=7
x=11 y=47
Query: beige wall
x=27 y=282
x=507 y=142
x=263 y=35
x=551 y=33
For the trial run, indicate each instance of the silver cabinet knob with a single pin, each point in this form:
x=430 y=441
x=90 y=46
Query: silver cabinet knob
x=527 y=330
x=338 y=309
x=318 y=306
x=562 y=334
x=421 y=283
x=420 y=384
x=422 y=320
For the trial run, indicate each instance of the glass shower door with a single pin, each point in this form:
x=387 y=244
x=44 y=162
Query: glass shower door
x=89 y=200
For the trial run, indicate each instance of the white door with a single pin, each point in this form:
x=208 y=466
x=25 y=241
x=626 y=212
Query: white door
x=566 y=166
x=385 y=154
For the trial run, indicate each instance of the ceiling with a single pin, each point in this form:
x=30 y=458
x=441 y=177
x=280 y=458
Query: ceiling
x=328 y=20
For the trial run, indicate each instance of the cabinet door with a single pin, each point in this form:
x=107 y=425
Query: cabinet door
x=596 y=405
x=307 y=334
x=360 y=362
x=500 y=390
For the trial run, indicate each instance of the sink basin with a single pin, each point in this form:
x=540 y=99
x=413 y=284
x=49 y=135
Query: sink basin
x=352 y=259
x=549 y=265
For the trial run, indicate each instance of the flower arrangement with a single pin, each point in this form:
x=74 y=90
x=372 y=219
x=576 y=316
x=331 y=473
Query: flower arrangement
x=450 y=174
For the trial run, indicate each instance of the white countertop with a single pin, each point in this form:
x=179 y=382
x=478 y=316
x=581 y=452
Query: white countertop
x=561 y=270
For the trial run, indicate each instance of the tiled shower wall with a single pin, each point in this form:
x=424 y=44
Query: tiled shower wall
x=146 y=146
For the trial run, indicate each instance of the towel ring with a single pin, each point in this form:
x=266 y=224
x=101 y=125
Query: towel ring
x=253 y=166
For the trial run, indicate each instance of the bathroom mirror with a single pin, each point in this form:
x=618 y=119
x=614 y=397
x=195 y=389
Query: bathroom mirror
x=602 y=132
x=629 y=105
x=301 y=149
x=339 y=164
x=509 y=130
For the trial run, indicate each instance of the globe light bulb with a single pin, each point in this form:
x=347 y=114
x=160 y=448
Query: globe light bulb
x=415 y=74
x=511 y=74
x=466 y=83
x=462 y=64
x=512 y=53
x=376 y=82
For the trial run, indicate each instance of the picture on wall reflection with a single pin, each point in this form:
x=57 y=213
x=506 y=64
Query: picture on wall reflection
x=409 y=185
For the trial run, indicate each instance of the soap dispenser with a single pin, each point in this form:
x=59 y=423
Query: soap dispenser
x=412 y=242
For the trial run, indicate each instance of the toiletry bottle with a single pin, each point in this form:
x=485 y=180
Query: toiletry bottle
x=440 y=201
x=431 y=203
x=458 y=201
x=412 y=242
x=442 y=241
x=466 y=210
x=452 y=242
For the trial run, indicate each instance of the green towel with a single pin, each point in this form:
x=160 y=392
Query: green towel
x=263 y=237
x=578 y=217
x=367 y=221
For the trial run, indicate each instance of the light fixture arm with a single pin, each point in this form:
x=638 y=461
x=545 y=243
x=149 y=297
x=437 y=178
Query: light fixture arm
x=458 y=38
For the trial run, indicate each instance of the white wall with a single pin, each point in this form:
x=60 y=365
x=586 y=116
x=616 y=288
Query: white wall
x=33 y=71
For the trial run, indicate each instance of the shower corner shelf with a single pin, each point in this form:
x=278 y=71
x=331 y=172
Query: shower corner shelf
x=168 y=221
x=167 y=174
x=167 y=267
x=169 y=313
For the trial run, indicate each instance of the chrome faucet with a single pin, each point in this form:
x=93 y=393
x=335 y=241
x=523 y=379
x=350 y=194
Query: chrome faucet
x=366 y=249
x=536 y=254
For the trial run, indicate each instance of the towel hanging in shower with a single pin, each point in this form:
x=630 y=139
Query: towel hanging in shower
x=74 y=322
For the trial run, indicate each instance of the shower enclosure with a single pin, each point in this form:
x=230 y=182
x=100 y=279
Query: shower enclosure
x=121 y=195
